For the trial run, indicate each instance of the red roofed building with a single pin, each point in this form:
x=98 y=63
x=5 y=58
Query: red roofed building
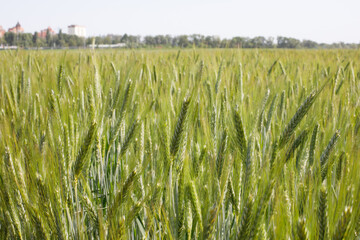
x=16 y=29
x=43 y=33
x=2 y=32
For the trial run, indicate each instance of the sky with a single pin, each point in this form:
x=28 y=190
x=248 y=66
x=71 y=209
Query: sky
x=318 y=20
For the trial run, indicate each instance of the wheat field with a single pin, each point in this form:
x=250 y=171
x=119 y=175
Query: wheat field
x=180 y=144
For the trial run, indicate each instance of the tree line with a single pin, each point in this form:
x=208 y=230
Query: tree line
x=61 y=40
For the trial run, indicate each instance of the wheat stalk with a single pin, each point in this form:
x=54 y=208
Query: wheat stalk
x=180 y=128
x=296 y=119
x=322 y=214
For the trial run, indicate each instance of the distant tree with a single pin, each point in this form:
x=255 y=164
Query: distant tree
x=160 y=40
x=89 y=41
x=48 y=38
x=81 y=42
x=35 y=39
x=124 y=38
x=99 y=40
x=309 y=44
x=60 y=35
x=133 y=41
x=197 y=40
x=258 y=42
x=247 y=43
x=72 y=42
x=270 y=42
x=284 y=42
x=208 y=41
x=225 y=43
x=212 y=41
x=183 y=41
x=25 y=40
x=60 y=39
x=116 y=39
x=62 y=43
x=237 y=42
x=107 y=40
x=10 y=38
x=149 y=41
x=168 y=39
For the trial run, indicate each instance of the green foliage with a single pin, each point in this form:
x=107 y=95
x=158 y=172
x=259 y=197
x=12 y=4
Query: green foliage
x=179 y=144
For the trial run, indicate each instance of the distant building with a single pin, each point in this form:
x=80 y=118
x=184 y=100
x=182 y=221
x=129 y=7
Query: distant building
x=16 y=29
x=77 y=30
x=43 y=33
x=2 y=32
x=117 y=45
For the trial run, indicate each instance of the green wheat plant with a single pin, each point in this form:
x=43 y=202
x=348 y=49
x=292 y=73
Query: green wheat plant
x=180 y=144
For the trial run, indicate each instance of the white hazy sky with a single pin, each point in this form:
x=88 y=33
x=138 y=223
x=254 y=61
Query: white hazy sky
x=319 y=20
